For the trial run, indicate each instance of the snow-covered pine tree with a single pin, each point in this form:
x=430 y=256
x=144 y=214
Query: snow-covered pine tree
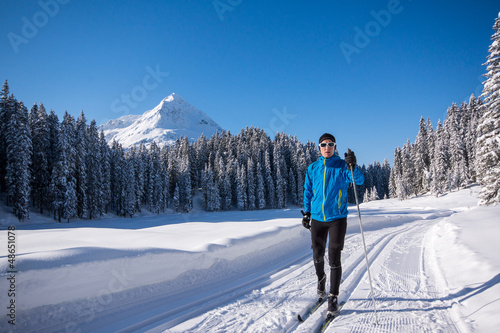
x=204 y=187
x=292 y=184
x=269 y=181
x=93 y=165
x=261 y=199
x=184 y=186
x=184 y=175
x=386 y=173
x=395 y=174
x=409 y=180
x=488 y=142
x=405 y=181
x=456 y=146
x=366 y=196
x=280 y=172
x=302 y=165
x=441 y=167
x=140 y=168
x=188 y=151
x=374 y=194
x=54 y=127
x=291 y=168
x=172 y=171
x=215 y=195
x=81 y=145
x=6 y=110
x=242 y=188
x=116 y=171
x=155 y=189
x=431 y=141
x=221 y=178
x=52 y=155
x=176 y=198
x=369 y=181
x=211 y=190
x=151 y=178
x=216 y=166
x=465 y=119
x=129 y=190
x=19 y=153
x=474 y=110
x=227 y=199
x=63 y=182
x=105 y=152
x=164 y=177
x=251 y=184
x=378 y=177
x=41 y=149
x=421 y=158
x=201 y=151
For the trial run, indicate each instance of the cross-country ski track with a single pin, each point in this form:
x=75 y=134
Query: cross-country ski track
x=398 y=278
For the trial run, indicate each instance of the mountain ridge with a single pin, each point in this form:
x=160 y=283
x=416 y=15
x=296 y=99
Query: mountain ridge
x=171 y=119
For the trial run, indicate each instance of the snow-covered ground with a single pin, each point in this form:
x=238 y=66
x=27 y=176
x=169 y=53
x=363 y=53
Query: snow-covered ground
x=434 y=265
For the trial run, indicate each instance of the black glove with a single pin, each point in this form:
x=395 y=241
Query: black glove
x=350 y=159
x=306 y=219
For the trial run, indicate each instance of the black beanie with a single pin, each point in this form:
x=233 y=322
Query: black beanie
x=326 y=136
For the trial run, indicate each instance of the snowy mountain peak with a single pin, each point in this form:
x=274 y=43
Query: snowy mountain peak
x=169 y=120
x=173 y=97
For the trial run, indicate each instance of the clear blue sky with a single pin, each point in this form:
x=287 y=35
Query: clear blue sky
x=365 y=71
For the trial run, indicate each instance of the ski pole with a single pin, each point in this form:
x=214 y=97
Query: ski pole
x=364 y=246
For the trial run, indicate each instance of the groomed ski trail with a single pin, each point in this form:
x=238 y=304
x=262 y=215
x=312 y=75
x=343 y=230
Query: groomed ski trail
x=408 y=293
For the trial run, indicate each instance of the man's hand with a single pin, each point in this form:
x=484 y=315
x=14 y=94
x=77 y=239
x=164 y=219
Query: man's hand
x=350 y=159
x=306 y=219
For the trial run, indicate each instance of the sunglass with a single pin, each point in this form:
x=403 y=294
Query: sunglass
x=329 y=144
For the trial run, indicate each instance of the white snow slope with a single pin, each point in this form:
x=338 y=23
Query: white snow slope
x=434 y=265
x=168 y=121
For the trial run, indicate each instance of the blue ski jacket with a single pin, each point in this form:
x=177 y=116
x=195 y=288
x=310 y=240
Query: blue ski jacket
x=325 y=188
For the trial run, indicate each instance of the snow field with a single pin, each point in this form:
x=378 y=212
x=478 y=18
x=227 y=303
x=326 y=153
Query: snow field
x=433 y=264
x=76 y=284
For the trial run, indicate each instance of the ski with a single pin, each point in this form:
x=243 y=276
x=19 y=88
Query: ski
x=311 y=309
x=328 y=320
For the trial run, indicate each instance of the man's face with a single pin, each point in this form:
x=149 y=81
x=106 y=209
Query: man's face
x=328 y=149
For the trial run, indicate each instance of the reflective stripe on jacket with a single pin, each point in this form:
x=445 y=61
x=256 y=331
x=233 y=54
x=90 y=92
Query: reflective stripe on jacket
x=325 y=188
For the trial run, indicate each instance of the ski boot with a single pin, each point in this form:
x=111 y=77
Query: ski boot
x=333 y=306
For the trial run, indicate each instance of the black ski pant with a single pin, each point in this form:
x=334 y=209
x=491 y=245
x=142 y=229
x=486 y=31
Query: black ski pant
x=320 y=231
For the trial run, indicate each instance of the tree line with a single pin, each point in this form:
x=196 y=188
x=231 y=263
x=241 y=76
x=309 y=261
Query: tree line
x=440 y=159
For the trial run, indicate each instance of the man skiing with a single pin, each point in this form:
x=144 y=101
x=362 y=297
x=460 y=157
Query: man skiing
x=325 y=204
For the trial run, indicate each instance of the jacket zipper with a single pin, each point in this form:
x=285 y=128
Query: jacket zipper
x=340 y=199
x=324 y=178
